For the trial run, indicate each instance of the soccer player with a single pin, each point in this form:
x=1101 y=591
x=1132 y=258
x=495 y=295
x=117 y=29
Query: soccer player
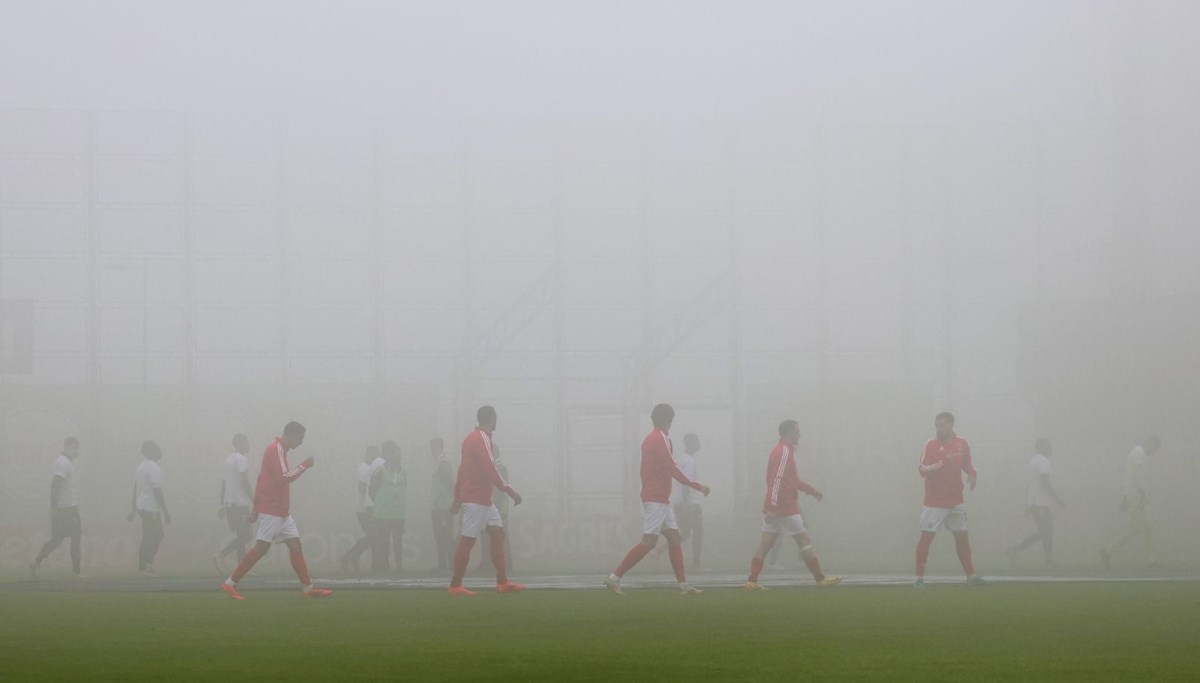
x=150 y=505
x=389 y=509
x=272 y=509
x=1039 y=496
x=781 y=509
x=477 y=476
x=442 y=487
x=1135 y=503
x=236 y=496
x=368 y=471
x=687 y=502
x=64 y=509
x=658 y=517
x=945 y=460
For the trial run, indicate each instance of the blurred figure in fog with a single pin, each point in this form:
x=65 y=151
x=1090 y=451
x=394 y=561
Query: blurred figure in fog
x=64 y=509
x=150 y=505
x=1136 y=503
x=388 y=510
x=1039 y=497
x=236 y=498
x=687 y=500
x=442 y=497
x=368 y=471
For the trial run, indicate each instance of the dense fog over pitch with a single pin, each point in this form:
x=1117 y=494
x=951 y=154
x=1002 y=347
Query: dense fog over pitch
x=374 y=217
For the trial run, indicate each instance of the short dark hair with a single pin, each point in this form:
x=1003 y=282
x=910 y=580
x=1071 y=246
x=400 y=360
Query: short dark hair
x=70 y=441
x=945 y=415
x=437 y=441
x=690 y=440
x=1042 y=445
x=237 y=438
x=390 y=448
x=149 y=448
x=294 y=428
x=787 y=426
x=662 y=415
x=485 y=415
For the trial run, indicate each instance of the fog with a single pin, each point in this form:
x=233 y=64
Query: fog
x=374 y=217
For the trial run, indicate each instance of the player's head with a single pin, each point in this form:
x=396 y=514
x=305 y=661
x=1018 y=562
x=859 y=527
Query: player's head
x=437 y=446
x=151 y=451
x=691 y=443
x=71 y=447
x=944 y=423
x=1044 y=447
x=485 y=417
x=371 y=454
x=293 y=435
x=1151 y=444
x=391 y=453
x=662 y=416
x=240 y=443
x=789 y=432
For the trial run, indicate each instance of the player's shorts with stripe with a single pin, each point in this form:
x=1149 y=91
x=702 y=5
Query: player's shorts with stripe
x=475 y=518
x=273 y=529
x=954 y=519
x=789 y=525
x=658 y=517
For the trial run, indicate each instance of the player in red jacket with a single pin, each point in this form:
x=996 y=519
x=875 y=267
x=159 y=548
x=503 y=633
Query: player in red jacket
x=945 y=460
x=272 y=510
x=781 y=508
x=477 y=476
x=658 y=469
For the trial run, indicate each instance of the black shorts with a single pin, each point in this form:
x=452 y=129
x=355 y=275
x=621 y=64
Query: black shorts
x=65 y=523
x=235 y=516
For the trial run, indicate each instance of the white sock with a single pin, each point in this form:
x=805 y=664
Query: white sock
x=308 y=588
x=684 y=585
x=614 y=578
x=230 y=582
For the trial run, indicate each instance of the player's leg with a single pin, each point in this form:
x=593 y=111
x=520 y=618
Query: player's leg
x=1044 y=518
x=931 y=520
x=382 y=548
x=956 y=522
x=473 y=522
x=1029 y=540
x=765 y=543
x=496 y=533
x=508 y=545
x=654 y=517
x=810 y=559
x=58 y=532
x=697 y=535
x=145 y=558
x=398 y=544
x=1148 y=538
x=439 y=540
x=76 y=542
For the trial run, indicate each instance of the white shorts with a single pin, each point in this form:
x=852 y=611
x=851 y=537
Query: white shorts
x=658 y=517
x=476 y=517
x=274 y=529
x=790 y=525
x=954 y=519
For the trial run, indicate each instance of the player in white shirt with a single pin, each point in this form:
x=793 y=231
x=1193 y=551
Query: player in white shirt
x=150 y=505
x=64 y=509
x=687 y=501
x=1039 y=497
x=237 y=496
x=1135 y=503
x=369 y=471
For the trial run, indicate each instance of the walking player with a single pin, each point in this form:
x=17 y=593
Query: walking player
x=236 y=496
x=945 y=460
x=64 y=509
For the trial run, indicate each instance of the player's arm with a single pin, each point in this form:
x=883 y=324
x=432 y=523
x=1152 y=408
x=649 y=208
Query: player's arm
x=1049 y=487
x=246 y=487
x=162 y=503
x=133 y=504
x=678 y=475
x=929 y=462
x=489 y=467
x=56 y=484
x=294 y=473
x=792 y=476
x=969 y=468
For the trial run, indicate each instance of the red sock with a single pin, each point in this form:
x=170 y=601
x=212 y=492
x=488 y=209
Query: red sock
x=923 y=552
x=676 y=554
x=247 y=563
x=634 y=556
x=814 y=565
x=962 y=545
x=756 y=565
x=497 y=534
x=462 y=555
x=300 y=567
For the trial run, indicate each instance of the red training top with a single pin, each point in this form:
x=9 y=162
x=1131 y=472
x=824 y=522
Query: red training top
x=477 y=473
x=272 y=493
x=942 y=466
x=783 y=483
x=658 y=468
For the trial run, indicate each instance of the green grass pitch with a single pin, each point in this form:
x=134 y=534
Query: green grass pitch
x=1083 y=632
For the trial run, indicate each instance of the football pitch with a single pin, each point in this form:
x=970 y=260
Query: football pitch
x=1017 y=632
